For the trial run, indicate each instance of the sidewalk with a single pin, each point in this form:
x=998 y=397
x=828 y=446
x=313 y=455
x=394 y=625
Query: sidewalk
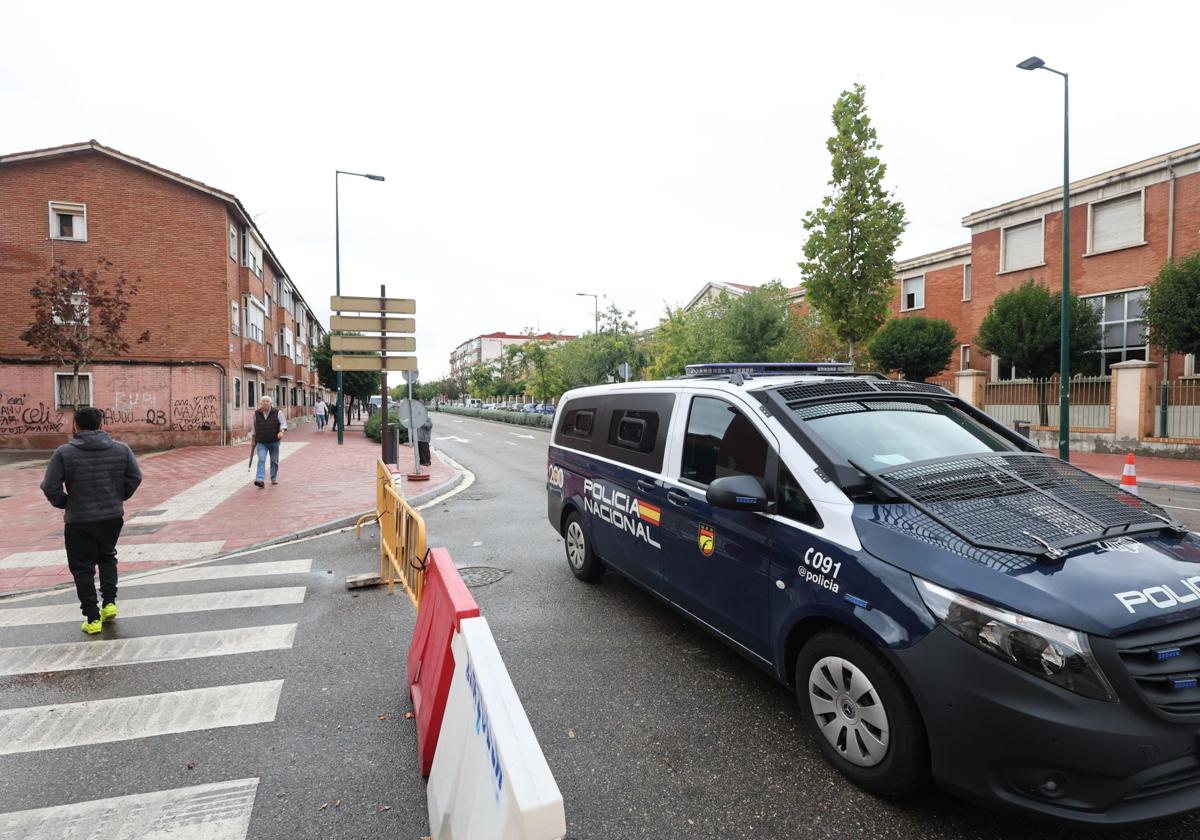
x=200 y=502
x=1150 y=470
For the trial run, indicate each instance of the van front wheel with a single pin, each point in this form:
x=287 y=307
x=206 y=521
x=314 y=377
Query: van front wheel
x=860 y=714
x=584 y=563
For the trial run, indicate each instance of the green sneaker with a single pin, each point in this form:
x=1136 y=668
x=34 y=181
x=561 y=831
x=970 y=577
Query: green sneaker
x=108 y=612
x=92 y=627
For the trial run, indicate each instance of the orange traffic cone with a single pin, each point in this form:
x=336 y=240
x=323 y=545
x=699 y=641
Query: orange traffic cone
x=1129 y=476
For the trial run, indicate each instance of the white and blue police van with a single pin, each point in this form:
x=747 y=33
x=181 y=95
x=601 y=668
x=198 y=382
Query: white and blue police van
x=948 y=601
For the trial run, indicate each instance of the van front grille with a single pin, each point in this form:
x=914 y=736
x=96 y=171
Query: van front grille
x=1164 y=664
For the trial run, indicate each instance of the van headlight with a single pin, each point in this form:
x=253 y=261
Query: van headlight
x=1051 y=652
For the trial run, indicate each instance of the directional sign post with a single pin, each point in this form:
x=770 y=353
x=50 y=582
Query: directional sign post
x=369 y=352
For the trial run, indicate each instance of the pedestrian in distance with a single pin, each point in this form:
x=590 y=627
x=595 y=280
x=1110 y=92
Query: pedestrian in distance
x=320 y=411
x=90 y=477
x=424 y=432
x=269 y=428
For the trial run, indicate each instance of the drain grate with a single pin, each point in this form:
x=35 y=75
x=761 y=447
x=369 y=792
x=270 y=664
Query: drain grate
x=475 y=576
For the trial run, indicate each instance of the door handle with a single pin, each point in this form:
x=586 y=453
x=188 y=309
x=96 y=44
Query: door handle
x=644 y=485
x=678 y=498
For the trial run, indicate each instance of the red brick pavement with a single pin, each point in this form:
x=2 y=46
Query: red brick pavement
x=319 y=483
x=1177 y=471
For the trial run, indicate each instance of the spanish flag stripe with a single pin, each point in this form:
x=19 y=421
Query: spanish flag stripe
x=650 y=513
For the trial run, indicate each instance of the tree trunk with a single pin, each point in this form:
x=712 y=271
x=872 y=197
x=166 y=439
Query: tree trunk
x=851 y=345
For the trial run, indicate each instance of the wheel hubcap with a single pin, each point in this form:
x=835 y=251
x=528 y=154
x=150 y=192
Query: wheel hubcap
x=576 y=549
x=849 y=711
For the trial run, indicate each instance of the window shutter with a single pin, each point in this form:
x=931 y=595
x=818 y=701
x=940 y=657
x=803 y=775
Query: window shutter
x=1023 y=246
x=1117 y=223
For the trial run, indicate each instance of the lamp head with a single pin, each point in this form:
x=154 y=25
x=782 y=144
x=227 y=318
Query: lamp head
x=374 y=177
x=1032 y=63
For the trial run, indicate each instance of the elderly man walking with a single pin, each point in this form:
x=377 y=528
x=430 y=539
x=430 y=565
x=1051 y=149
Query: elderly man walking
x=98 y=474
x=269 y=428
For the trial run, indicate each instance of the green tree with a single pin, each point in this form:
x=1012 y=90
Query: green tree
x=79 y=316
x=1173 y=306
x=1023 y=328
x=594 y=358
x=356 y=384
x=916 y=346
x=852 y=237
x=537 y=362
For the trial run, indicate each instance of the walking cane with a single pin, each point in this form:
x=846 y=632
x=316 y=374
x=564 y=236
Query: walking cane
x=250 y=463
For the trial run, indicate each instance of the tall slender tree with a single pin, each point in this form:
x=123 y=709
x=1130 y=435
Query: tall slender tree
x=852 y=237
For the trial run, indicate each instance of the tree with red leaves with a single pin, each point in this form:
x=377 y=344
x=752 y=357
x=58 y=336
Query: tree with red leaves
x=79 y=316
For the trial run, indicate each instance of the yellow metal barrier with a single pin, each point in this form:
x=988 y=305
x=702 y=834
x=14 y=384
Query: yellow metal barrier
x=401 y=537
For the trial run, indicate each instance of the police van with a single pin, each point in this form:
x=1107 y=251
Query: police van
x=948 y=601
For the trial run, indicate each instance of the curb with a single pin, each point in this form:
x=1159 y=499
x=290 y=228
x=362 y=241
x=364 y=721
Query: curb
x=315 y=530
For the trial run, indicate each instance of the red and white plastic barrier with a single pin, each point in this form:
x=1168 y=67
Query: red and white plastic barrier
x=490 y=780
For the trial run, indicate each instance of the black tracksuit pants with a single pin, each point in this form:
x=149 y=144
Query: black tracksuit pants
x=92 y=544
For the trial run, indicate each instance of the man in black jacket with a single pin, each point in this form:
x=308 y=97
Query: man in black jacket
x=99 y=474
x=270 y=425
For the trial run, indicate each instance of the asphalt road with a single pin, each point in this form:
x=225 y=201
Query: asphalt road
x=651 y=727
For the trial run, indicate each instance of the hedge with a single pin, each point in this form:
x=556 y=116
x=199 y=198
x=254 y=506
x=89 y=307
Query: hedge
x=371 y=427
x=516 y=418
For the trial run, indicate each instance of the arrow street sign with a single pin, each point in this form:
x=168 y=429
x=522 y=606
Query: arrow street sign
x=371 y=343
x=374 y=362
x=364 y=324
x=394 y=306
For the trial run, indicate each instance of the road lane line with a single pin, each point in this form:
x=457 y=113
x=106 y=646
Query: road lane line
x=194 y=573
x=66 y=725
x=511 y=443
x=164 y=605
x=1177 y=507
x=218 y=811
x=136 y=553
x=78 y=656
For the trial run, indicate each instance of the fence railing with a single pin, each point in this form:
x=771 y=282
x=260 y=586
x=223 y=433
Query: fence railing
x=1177 y=409
x=401 y=537
x=1036 y=401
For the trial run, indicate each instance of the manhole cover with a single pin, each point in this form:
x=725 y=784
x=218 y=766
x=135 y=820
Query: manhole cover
x=474 y=576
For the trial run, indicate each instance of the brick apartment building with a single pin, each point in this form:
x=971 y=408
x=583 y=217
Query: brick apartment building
x=1125 y=224
x=490 y=347
x=226 y=324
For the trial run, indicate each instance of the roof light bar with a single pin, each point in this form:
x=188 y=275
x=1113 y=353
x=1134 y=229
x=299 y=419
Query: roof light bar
x=769 y=368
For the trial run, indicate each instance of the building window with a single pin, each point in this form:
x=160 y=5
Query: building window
x=233 y=242
x=237 y=392
x=77 y=311
x=68 y=221
x=1122 y=327
x=967 y=281
x=253 y=257
x=1116 y=223
x=270 y=356
x=251 y=402
x=255 y=312
x=1021 y=246
x=65 y=396
x=912 y=293
x=235 y=317
x=964 y=357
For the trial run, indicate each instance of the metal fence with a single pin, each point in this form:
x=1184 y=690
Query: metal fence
x=401 y=537
x=946 y=382
x=1036 y=401
x=1177 y=412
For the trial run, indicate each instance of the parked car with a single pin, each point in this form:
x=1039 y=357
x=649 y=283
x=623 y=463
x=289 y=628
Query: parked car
x=946 y=600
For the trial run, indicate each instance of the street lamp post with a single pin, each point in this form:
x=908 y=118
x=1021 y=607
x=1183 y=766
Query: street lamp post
x=339 y=418
x=1064 y=364
x=595 y=307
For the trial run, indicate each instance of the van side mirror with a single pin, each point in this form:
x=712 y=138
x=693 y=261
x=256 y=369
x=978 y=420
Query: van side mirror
x=738 y=492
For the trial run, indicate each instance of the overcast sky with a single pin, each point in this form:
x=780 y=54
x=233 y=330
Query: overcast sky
x=632 y=149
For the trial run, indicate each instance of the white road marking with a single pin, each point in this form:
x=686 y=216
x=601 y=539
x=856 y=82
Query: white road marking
x=199 y=499
x=1177 y=507
x=142 y=716
x=467 y=480
x=476 y=544
x=78 y=656
x=218 y=811
x=137 y=553
x=164 y=605
x=512 y=443
x=518 y=434
x=454 y=438
x=279 y=567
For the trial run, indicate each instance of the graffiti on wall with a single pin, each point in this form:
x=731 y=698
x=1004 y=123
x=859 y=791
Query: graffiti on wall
x=199 y=412
x=19 y=415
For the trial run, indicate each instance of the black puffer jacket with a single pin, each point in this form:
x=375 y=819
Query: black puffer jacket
x=99 y=473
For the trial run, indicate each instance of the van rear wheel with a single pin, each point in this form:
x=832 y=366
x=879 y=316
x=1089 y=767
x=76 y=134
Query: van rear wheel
x=584 y=563
x=860 y=714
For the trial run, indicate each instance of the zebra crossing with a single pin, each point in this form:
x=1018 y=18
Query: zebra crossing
x=243 y=607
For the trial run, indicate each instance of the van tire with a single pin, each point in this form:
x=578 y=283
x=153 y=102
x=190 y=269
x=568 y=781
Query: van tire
x=902 y=766
x=583 y=562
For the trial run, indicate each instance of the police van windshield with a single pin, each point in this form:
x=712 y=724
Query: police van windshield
x=877 y=435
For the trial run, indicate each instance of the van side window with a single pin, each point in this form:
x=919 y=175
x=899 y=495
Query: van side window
x=721 y=441
x=632 y=429
x=578 y=423
x=792 y=502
